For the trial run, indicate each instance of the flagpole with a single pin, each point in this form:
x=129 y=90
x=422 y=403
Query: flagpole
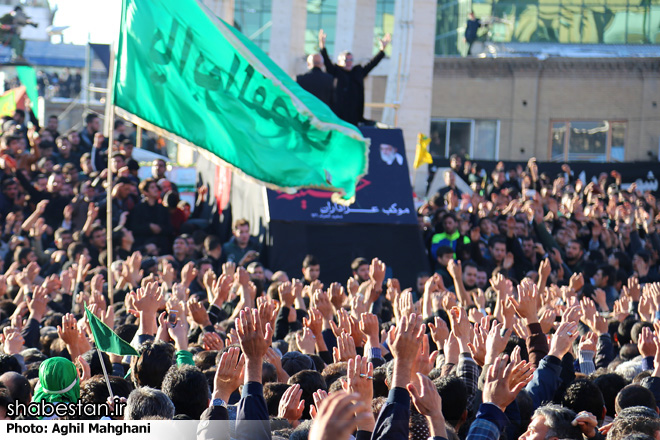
x=110 y=129
x=108 y=218
x=105 y=373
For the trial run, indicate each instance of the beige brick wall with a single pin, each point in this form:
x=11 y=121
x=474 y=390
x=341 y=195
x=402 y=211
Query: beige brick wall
x=526 y=93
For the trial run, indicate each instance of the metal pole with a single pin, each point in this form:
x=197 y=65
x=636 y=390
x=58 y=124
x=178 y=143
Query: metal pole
x=138 y=137
x=110 y=130
x=108 y=197
x=105 y=374
x=88 y=71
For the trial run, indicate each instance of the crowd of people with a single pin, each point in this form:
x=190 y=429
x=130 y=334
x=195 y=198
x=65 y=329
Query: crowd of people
x=63 y=84
x=538 y=321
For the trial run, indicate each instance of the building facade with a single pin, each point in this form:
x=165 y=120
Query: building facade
x=556 y=79
x=556 y=109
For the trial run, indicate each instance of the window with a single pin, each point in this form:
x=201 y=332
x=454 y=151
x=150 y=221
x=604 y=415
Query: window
x=252 y=18
x=592 y=141
x=384 y=24
x=473 y=138
x=321 y=14
x=549 y=21
x=451 y=16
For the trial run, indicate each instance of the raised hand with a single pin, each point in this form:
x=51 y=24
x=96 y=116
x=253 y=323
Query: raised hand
x=576 y=282
x=425 y=360
x=229 y=374
x=377 y=273
x=179 y=331
x=404 y=340
x=229 y=269
x=591 y=317
x=498 y=388
x=360 y=376
x=352 y=286
x=455 y=270
x=268 y=310
x=562 y=340
x=38 y=304
x=499 y=284
x=360 y=373
x=83 y=368
x=146 y=302
x=287 y=297
x=600 y=297
x=496 y=342
x=198 y=313
x=572 y=314
x=275 y=360
x=134 y=263
x=369 y=326
x=343 y=323
x=521 y=330
x=208 y=279
x=291 y=407
x=188 y=274
x=13 y=341
x=322 y=37
x=255 y=339
x=478 y=345
x=479 y=298
x=460 y=327
x=439 y=331
x=383 y=42
x=587 y=422
x=306 y=341
x=526 y=305
x=318 y=397
x=220 y=290
x=212 y=341
x=337 y=295
x=168 y=274
x=322 y=303
x=646 y=342
x=338 y=417
x=547 y=320
x=73 y=338
x=405 y=303
x=314 y=322
x=545 y=268
x=32 y=270
x=345 y=348
x=428 y=402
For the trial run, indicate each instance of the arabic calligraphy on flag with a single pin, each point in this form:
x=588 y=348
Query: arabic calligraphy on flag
x=190 y=76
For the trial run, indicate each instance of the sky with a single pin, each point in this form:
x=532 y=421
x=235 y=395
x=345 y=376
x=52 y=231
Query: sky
x=97 y=18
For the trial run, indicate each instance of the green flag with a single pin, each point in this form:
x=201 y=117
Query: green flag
x=28 y=77
x=182 y=71
x=107 y=340
x=8 y=103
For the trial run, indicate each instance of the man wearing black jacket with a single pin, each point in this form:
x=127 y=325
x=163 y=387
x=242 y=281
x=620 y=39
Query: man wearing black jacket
x=316 y=81
x=349 y=86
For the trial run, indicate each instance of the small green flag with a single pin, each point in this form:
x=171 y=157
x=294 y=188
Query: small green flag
x=28 y=77
x=187 y=74
x=107 y=340
x=8 y=103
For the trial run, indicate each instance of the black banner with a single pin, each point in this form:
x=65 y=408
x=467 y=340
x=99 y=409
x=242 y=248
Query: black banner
x=384 y=195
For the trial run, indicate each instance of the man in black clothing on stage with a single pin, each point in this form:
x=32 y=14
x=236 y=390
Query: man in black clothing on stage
x=349 y=88
x=316 y=81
